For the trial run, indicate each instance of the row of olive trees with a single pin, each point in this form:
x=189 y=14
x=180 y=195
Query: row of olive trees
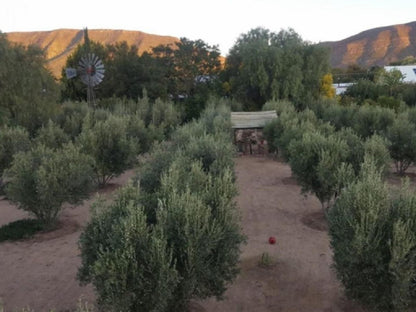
x=68 y=157
x=173 y=234
x=322 y=159
x=343 y=163
x=397 y=127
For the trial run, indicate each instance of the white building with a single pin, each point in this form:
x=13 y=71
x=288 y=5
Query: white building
x=340 y=88
x=408 y=71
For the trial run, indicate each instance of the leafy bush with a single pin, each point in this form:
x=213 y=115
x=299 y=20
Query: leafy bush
x=107 y=143
x=374 y=242
x=371 y=120
x=355 y=148
x=127 y=261
x=285 y=129
x=52 y=136
x=187 y=219
x=319 y=164
x=389 y=102
x=279 y=106
x=339 y=116
x=153 y=165
x=164 y=116
x=214 y=152
x=359 y=226
x=197 y=231
x=376 y=147
x=140 y=136
x=216 y=119
x=402 y=137
x=41 y=180
x=71 y=117
x=12 y=141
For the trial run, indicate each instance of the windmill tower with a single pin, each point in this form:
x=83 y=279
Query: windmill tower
x=90 y=70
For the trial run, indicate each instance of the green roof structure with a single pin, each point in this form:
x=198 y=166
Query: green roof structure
x=251 y=120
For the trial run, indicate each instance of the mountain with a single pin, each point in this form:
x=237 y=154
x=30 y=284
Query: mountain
x=377 y=46
x=59 y=44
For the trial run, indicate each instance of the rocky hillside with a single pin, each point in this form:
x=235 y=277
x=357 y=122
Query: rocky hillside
x=377 y=46
x=59 y=44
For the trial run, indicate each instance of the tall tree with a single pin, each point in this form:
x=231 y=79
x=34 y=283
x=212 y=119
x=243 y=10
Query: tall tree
x=28 y=91
x=263 y=65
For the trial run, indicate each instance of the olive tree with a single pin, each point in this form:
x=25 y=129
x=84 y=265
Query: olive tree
x=41 y=180
x=107 y=142
x=373 y=239
x=126 y=260
x=12 y=141
x=402 y=137
x=319 y=164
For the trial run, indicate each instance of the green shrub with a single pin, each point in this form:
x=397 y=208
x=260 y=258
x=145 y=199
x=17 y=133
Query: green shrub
x=71 y=118
x=371 y=120
x=339 y=116
x=12 y=141
x=198 y=215
x=214 y=151
x=377 y=148
x=279 y=106
x=41 y=180
x=373 y=239
x=140 y=136
x=216 y=119
x=186 y=204
x=319 y=165
x=355 y=148
x=359 y=226
x=107 y=142
x=403 y=251
x=154 y=164
x=127 y=261
x=51 y=136
x=402 y=137
x=389 y=102
x=164 y=116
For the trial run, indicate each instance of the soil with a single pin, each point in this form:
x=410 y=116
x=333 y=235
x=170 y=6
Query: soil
x=294 y=274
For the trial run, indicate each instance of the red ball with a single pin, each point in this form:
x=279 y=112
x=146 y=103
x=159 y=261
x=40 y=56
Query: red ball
x=272 y=240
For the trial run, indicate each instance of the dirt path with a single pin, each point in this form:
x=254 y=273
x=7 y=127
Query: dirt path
x=41 y=272
x=300 y=278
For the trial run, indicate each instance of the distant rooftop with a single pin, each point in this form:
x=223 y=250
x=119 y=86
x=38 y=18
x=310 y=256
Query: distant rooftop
x=251 y=120
x=408 y=71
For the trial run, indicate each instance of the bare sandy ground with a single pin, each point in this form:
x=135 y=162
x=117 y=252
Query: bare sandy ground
x=41 y=272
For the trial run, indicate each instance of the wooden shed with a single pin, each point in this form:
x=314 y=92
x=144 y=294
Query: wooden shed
x=248 y=130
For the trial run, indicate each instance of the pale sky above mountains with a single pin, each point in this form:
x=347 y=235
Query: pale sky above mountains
x=217 y=22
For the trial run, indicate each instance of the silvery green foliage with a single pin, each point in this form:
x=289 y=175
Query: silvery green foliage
x=41 y=180
x=107 y=142
x=186 y=208
x=52 y=136
x=127 y=261
x=12 y=141
x=373 y=239
x=402 y=137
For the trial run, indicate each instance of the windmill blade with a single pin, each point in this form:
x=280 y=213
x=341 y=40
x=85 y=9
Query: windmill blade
x=91 y=70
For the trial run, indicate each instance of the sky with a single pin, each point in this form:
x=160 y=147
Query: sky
x=216 y=22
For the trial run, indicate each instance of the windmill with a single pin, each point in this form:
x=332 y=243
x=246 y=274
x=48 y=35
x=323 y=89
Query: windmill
x=90 y=70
